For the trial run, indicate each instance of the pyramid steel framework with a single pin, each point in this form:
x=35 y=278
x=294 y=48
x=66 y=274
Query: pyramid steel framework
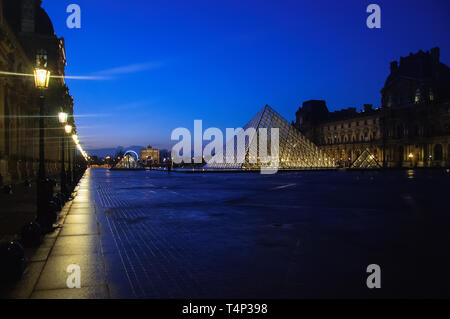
x=366 y=160
x=295 y=150
x=128 y=162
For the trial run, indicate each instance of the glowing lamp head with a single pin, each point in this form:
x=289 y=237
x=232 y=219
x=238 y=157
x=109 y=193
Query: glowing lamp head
x=411 y=155
x=75 y=139
x=41 y=78
x=68 y=129
x=62 y=117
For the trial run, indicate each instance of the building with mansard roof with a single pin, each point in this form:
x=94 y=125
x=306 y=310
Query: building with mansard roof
x=411 y=128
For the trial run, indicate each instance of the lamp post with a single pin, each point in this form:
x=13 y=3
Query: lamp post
x=41 y=80
x=411 y=156
x=62 y=117
x=68 y=130
x=76 y=142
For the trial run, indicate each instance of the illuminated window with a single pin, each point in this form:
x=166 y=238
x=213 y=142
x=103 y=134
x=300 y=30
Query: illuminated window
x=417 y=96
x=41 y=58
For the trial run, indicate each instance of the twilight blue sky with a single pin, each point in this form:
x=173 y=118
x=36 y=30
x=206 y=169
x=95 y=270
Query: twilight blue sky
x=169 y=62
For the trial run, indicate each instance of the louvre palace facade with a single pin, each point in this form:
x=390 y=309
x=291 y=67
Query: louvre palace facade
x=411 y=128
x=26 y=36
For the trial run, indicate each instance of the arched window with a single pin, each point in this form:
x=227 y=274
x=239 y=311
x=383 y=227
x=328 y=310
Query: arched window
x=390 y=101
x=400 y=131
x=437 y=152
x=431 y=95
x=417 y=96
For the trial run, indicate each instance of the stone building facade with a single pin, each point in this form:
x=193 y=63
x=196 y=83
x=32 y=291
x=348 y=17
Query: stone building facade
x=149 y=156
x=26 y=35
x=411 y=128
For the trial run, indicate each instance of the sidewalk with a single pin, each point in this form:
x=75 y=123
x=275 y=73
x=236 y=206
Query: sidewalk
x=76 y=242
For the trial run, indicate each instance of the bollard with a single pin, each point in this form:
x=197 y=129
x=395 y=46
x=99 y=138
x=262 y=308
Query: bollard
x=48 y=217
x=32 y=235
x=7 y=189
x=27 y=183
x=12 y=261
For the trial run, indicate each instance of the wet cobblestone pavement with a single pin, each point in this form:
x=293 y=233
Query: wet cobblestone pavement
x=291 y=235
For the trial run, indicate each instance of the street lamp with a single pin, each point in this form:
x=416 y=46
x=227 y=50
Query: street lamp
x=41 y=78
x=68 y=129
x=62 y=117
x=75 y=139
x=44 y=190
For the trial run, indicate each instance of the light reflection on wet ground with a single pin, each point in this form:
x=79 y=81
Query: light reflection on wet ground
x=303 y=234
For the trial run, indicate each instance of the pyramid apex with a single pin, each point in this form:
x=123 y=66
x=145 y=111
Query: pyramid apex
x=267 y=107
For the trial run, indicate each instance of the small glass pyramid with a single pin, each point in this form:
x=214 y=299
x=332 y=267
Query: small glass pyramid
x=366 y=160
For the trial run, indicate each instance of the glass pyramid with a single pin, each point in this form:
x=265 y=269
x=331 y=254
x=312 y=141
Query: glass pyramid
x=366 y=160
x=295 y=151
x=127 y=162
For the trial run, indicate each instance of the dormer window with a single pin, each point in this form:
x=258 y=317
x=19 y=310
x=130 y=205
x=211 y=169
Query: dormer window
x=28 y=16
x=390 y=101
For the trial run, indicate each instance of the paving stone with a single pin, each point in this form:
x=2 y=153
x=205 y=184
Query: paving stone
x=79 y=229
x=80 y=219
x=24 y=288
x=97 y=292
x=54 y=274
x=76 y=245
x=37 y=254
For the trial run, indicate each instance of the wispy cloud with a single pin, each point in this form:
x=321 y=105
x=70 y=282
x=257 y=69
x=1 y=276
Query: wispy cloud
x=132 y=68
x=132 y=105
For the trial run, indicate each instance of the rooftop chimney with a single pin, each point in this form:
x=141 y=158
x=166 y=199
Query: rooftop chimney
x=435 y=54
x=368 y=107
